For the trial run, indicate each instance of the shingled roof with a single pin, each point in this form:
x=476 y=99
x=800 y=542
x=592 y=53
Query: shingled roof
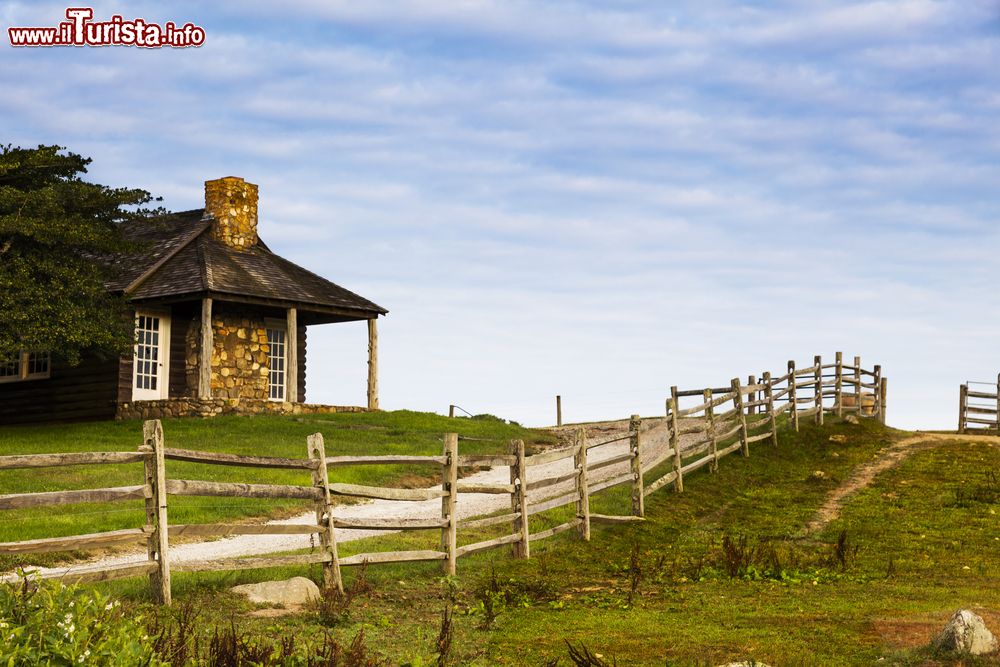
x=181 y=257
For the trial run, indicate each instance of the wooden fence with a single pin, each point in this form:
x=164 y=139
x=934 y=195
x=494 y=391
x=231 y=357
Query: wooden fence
x=979 y=410
x=727 y=420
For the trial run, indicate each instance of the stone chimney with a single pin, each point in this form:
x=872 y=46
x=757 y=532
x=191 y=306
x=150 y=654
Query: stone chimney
x=233 y=203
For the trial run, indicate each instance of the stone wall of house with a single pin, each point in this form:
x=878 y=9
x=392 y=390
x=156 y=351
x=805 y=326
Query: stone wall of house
x=239 y=356
x=210 y=407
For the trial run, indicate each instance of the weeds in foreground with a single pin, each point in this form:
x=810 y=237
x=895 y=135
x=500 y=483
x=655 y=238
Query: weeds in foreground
x=634 y=574
x=986 y=492
x=174 y=638
x=446 y=631
x=844 y=552
x=334 y=607
x=582 y=657
x=495 y=593
x=176 y=641
x=490 y=598
x=47 y=623
x=639 y=570
x=743 y=557
x=738 y=555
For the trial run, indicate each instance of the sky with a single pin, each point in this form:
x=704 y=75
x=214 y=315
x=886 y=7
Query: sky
x=598 y=200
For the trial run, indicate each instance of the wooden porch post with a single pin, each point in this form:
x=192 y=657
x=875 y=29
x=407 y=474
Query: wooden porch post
x=372 y=364
x=292 y=356
x=205 y=359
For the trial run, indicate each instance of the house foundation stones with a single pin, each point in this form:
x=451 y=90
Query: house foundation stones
x=211 y=407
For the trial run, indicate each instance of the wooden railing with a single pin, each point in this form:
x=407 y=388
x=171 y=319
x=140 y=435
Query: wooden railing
x=979 y=406
x=726 y=421
x=803 y=393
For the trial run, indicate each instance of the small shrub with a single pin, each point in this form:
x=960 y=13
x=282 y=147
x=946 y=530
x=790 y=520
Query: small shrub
x=495 y=593
x=45 y=623
x=333 y=654
x=639 y=570
x=694 y=568
x=490 y=598
x=445 y=633
x=634 y=574
x=582 y=657
x=738 y=555
x=844 y=553
x=173 y=634
x=177 y=641
x=230 y=647
x=890 y=570
x=986 y=492
x=486 y=417
x=334 y=607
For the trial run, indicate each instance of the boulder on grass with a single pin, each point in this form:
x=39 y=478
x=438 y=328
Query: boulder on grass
x=294 y=591
x=966 y=633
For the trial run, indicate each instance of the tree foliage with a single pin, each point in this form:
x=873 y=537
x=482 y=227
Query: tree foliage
x=58 y=235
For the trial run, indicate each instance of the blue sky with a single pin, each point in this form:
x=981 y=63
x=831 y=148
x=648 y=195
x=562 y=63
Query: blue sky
x=594 y=199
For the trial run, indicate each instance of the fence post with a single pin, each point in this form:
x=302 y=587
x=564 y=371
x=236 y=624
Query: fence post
x=558 y=410
x=751 y=408
x=157 y=546
x=675 y=440
x=858 y=389
x=769 y=398
x=996 y=424
x=738 y=403
x=882 y=400
x=792 y=380
x=963 y=400
x=635 y=448
x=818 y=362
x=519 y=499
x=582 y=488
x=710 y=416
x=449 y=484
x=451 y=411
x=877 y=369
x=839 y=385
x=324 y=513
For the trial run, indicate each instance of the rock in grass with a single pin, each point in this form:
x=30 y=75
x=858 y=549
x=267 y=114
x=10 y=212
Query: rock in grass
x=966 y=633
x=294 y=591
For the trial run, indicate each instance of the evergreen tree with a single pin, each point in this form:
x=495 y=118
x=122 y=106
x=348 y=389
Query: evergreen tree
x=59 y=236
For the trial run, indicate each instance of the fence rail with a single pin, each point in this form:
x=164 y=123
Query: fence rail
x=985 y=405
x=699 y=436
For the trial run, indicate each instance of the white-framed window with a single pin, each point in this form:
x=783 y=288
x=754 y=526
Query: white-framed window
x=26 y=365
x=276 y=362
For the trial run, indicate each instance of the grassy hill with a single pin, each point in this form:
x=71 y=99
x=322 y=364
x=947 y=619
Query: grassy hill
x=728 y=570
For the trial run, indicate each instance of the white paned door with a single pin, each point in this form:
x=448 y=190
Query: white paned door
x=151 y=364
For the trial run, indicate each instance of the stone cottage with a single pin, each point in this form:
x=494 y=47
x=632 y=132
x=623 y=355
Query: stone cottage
x=220 y=325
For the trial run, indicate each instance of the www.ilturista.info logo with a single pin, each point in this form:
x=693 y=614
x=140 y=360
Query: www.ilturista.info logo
x=79 y=30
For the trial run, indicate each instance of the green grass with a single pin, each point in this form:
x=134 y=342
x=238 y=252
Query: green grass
x=921 y=542
x=401 y=432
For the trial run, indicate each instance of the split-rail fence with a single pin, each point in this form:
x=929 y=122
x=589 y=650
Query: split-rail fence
x=979 y=406
x=725 y=421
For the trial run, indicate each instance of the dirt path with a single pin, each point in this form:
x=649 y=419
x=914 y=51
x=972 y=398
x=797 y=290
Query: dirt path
x=655 y=445
x=863 y=476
